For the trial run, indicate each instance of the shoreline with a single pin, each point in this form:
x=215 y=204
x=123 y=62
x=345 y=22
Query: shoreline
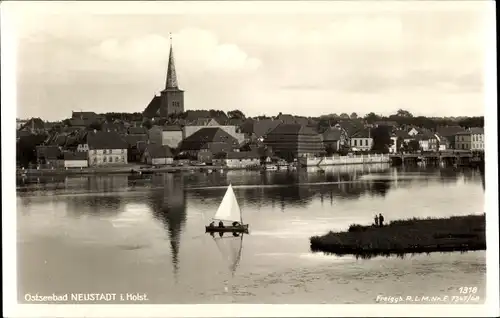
x=129 y=169
x=458 y=233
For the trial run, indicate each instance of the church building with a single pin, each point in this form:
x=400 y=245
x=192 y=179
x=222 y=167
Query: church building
x=171 y=99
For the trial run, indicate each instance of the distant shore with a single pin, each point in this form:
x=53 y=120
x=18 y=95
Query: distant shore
x=125 y=169
x=458 y=233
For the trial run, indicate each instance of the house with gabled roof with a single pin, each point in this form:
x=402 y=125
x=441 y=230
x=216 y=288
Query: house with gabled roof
x=201 y=123
x=48 y=154
x=33 y=125
x=167 y=135
x=211 y=140
x=333 y=139
x=449 y=133
x=157 y=155
x=361 y=140
x=471 y=139
x=106 y=148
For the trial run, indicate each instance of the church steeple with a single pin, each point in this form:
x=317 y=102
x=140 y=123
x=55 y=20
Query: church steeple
x=171 y=75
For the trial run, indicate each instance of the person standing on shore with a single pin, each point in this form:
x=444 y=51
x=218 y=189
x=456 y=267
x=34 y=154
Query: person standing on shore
x=381 y=220
x=376 y=220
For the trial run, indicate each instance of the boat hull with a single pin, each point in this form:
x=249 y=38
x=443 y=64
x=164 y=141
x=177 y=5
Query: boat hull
x=233 y=229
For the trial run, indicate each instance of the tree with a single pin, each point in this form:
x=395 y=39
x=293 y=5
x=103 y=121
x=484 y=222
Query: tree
x=354 y=116
x=147 y=124
x=67 y=122
x=329 y=149
x=344 y=116
x=403 y=113
x=26 y=148
x=381 y=139
x=371 y=118
x=235 y=114
x=95 y=126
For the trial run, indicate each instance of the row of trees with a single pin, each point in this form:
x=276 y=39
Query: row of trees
x=401 y=117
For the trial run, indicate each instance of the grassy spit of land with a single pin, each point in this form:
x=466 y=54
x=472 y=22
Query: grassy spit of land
x=458 y=233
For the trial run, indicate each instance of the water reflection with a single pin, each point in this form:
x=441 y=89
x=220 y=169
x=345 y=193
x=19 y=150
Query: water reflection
x=230 y=247
x=94 y=205
x=274 y=267
x=168 y=205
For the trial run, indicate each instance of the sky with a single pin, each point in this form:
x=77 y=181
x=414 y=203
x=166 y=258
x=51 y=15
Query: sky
x=299 y=58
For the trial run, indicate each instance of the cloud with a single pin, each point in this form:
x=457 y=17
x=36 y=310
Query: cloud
x=367 y=60
x=195 y=50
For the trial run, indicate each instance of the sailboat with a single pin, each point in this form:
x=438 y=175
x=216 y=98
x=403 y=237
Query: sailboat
x=229 y=211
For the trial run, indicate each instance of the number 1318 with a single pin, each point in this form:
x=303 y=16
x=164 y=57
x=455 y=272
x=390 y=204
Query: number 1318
x=467 y=290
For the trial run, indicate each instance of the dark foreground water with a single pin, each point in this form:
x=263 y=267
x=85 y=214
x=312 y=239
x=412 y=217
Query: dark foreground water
x=127 y=234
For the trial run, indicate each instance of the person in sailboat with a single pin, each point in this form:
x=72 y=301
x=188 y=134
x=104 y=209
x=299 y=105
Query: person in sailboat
x=235 y=223
x=212 y=224
x=221 y=224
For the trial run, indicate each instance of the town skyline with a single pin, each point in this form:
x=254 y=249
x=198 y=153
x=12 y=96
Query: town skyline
x=376 y=60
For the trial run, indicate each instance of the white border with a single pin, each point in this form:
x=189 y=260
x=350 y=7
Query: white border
x=8 y=99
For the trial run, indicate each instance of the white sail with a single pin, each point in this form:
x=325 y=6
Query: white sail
x=230 y=247
x=229 y=210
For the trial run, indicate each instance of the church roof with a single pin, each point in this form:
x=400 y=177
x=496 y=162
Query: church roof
x=153 y=107
x=171 y=81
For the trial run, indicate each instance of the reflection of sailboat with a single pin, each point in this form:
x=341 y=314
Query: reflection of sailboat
x=228 y=211
x=230 y=247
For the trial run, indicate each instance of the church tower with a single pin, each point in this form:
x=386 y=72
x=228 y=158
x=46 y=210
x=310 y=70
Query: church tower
x=172 y=98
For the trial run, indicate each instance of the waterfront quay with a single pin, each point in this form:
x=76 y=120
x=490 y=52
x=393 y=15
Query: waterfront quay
x=459 y=158
x=123 y=169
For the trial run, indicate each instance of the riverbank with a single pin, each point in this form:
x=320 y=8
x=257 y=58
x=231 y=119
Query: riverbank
x=459 y=233
x=126 y=169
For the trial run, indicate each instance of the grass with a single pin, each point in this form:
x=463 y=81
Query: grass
x=458 y=233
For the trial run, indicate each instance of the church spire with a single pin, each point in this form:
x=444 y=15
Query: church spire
x=171 y=75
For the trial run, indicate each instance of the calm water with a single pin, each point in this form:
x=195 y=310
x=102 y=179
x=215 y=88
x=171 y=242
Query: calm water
x=127 y=234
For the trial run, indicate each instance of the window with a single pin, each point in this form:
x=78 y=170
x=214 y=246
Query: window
x=117 y=159
x=355 y=142
x=123 y=159
x=366 y=142
x=110 y=159
x=104 y=151
x=104 y=159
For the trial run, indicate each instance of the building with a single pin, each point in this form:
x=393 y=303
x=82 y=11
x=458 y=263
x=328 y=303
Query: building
x=244 y=159
x=211 y=140
x=471 y=139
x=198 y=124
x=171 y=99
x=75 y=160
x=258 y=128
x=361 y=140
x=170 y=135
x=449 y=132
x=403 y=136
x=33 y=126
x=291 y=141
x=156 y=154
x=20 y=123
x=334 y=138
x=48 y=155
x=106 y=148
